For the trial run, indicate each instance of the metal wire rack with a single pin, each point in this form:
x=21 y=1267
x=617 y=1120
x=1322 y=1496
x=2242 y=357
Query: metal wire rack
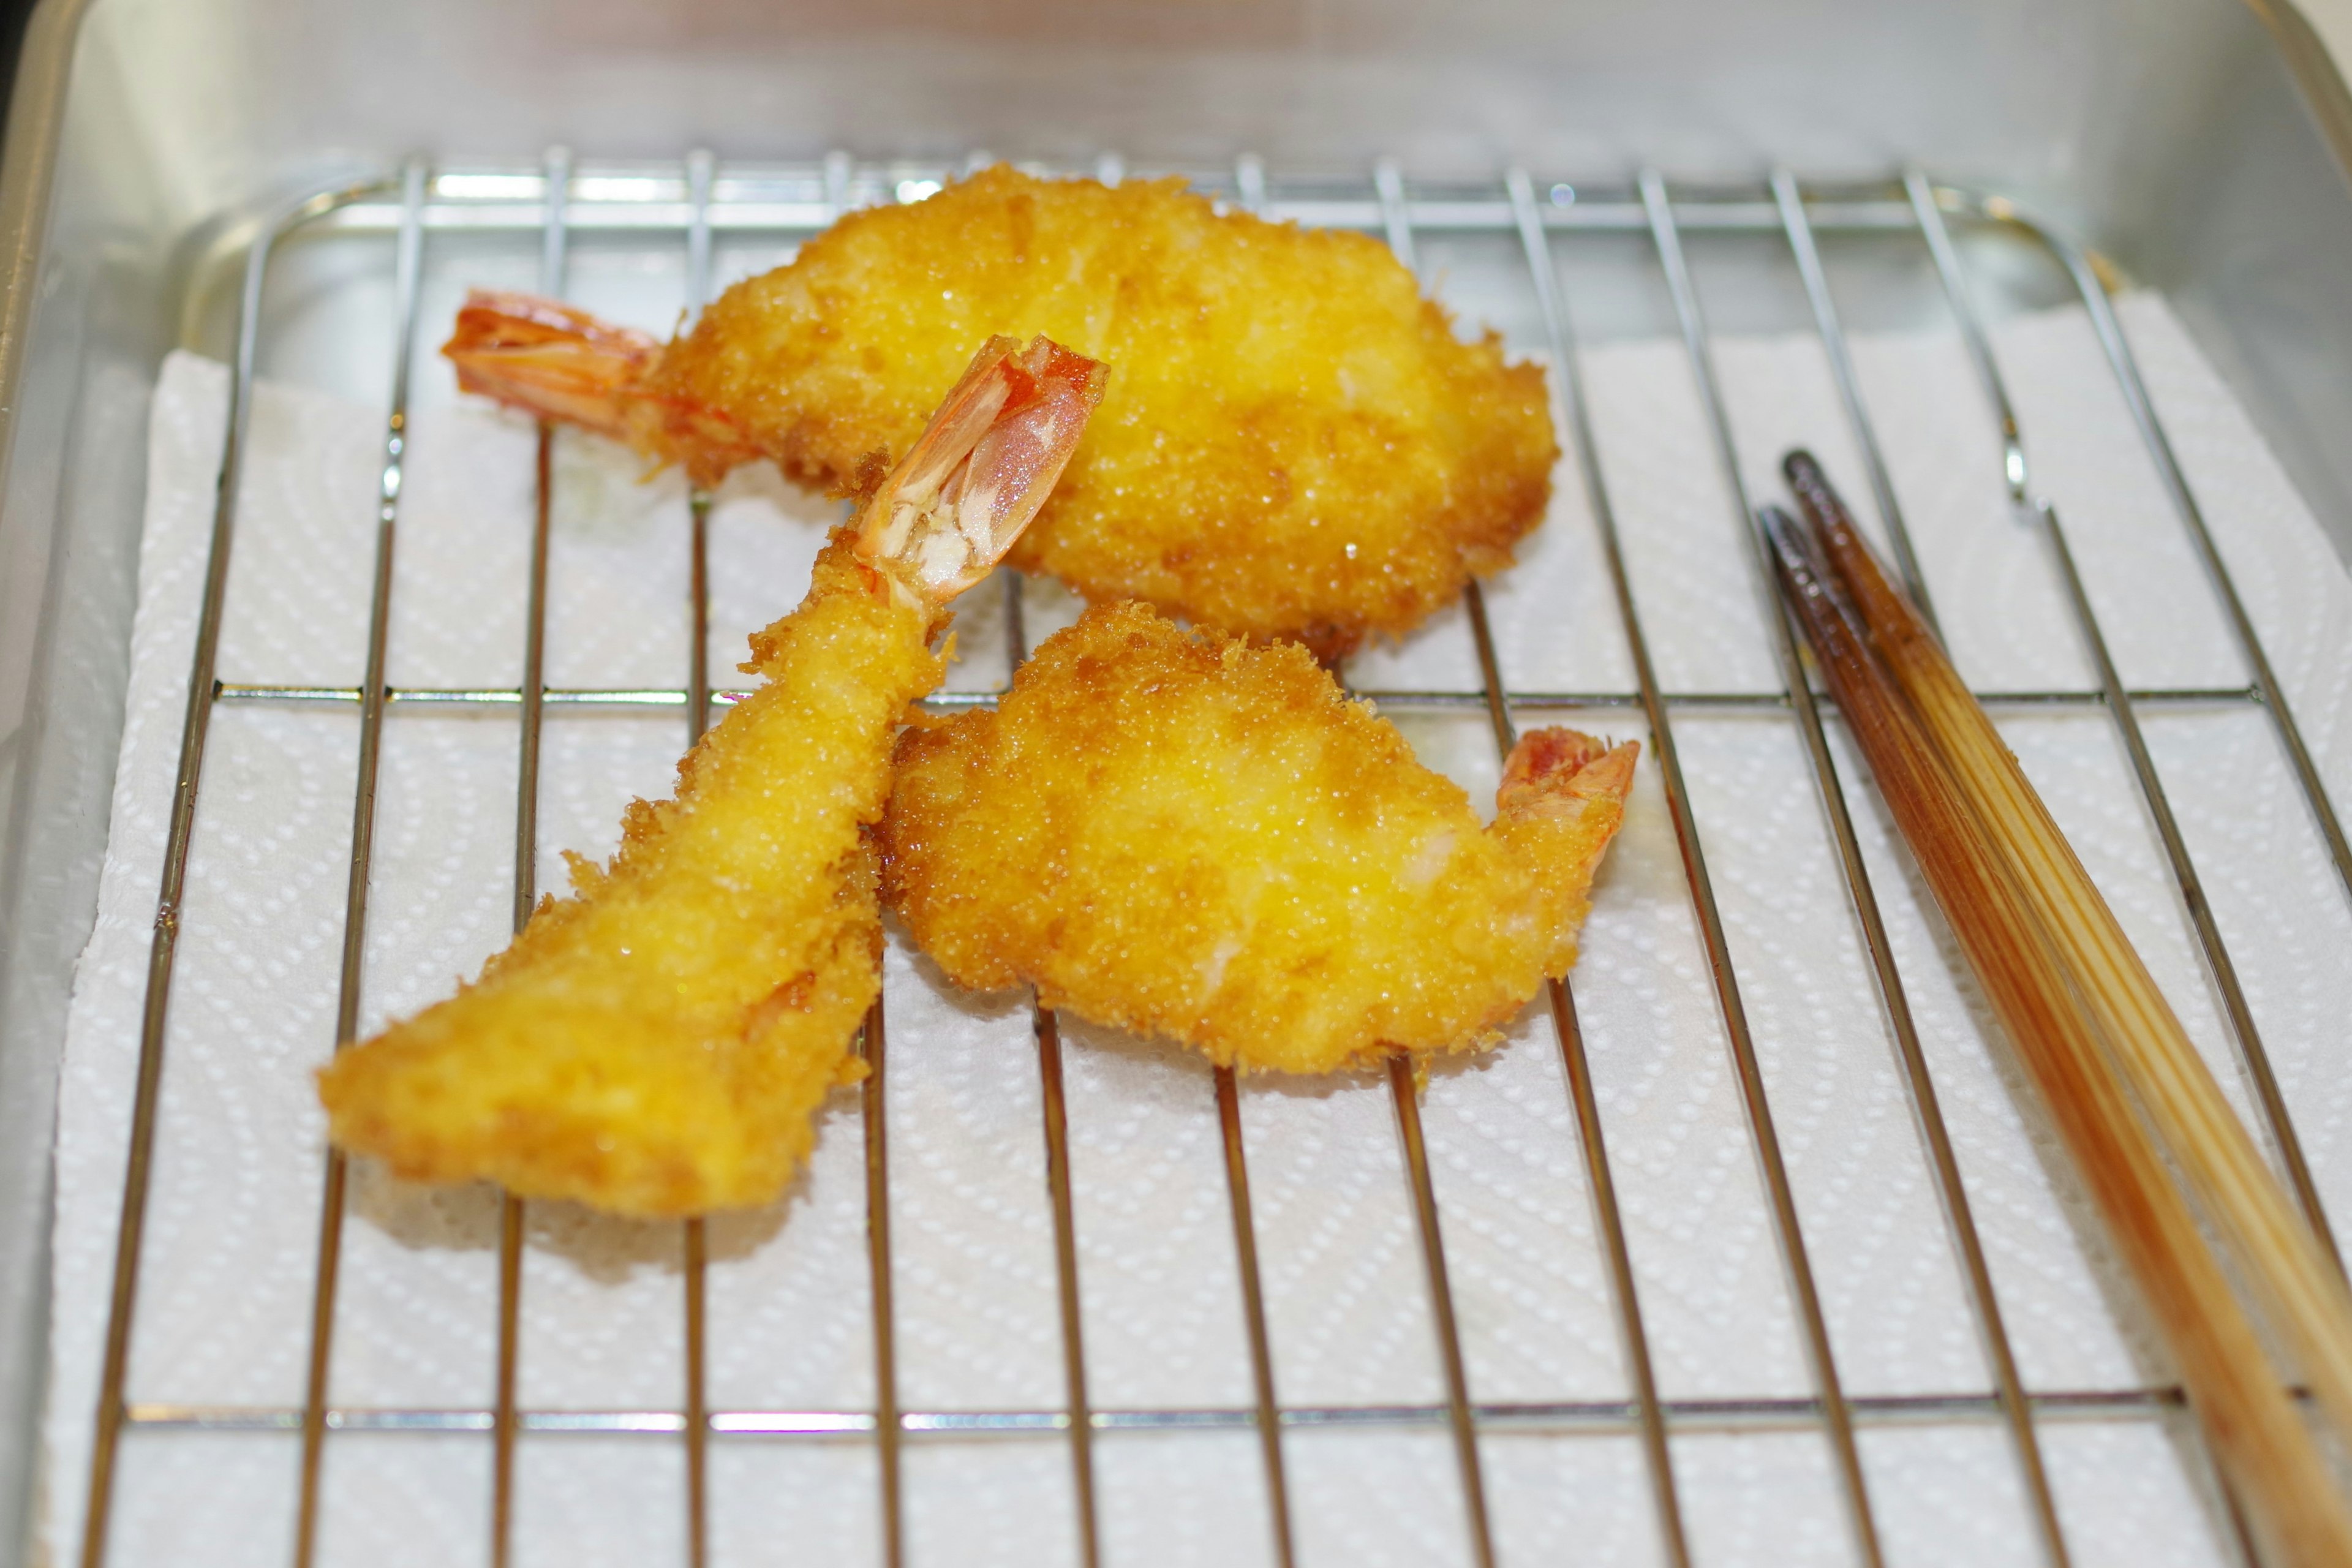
x=690 y=204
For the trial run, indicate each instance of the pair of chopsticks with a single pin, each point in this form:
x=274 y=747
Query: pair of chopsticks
x=2157 y=1147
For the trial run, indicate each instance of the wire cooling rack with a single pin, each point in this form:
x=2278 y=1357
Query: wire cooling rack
x=689 y=205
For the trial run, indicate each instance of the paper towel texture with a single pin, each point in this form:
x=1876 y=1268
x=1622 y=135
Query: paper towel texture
x=226 y=1276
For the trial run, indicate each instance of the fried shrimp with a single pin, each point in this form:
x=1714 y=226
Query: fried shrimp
x=1184 y=834
x=657 y=1042
x=1297 y=446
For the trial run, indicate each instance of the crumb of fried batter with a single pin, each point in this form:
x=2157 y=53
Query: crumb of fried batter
x=657 y=1042
x=1295 y=445
x=1182 y=833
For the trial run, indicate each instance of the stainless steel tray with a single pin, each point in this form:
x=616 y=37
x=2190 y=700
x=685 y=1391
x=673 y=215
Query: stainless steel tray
x=2231 y=203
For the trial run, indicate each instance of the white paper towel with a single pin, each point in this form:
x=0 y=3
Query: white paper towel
x=226 y=1277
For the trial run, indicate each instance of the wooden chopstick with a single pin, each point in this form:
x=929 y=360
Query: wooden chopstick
x=2302 y=1293
x=2028 y=974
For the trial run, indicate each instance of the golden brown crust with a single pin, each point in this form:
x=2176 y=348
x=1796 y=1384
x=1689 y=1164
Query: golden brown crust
x=1185 y=834
x=658 y=1043
x=1293 y=443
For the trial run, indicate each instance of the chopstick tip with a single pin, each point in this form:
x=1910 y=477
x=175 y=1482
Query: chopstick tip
x=1791 y=546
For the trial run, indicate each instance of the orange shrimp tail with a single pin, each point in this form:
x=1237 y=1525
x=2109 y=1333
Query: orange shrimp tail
x=563 y=364
x=1557 y=772
x=549 y=360
x=982 y=468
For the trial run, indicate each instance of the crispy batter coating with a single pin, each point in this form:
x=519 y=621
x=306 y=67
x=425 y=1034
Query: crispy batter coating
x=657 y=1043
x=634 y=1048
x=1295 y=444
x=1186 y=835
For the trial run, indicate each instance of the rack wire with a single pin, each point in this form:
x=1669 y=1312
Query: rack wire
x=691 y=203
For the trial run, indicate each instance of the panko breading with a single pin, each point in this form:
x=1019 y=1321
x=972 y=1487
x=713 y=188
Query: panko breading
x=657 y=1043
x=1297 y=445
x=1183 y=833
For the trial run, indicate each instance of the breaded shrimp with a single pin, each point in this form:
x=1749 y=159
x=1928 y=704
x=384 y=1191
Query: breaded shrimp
x=1296 y=445
x=1184 y=834
x=657 y=1042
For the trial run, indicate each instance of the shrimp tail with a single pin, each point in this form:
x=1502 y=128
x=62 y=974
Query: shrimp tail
x=563 y=365
x=1557 y=772
x=940 y=520
x=1561 y=801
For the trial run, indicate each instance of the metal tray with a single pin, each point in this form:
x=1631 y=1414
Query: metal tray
x=2171 y=136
